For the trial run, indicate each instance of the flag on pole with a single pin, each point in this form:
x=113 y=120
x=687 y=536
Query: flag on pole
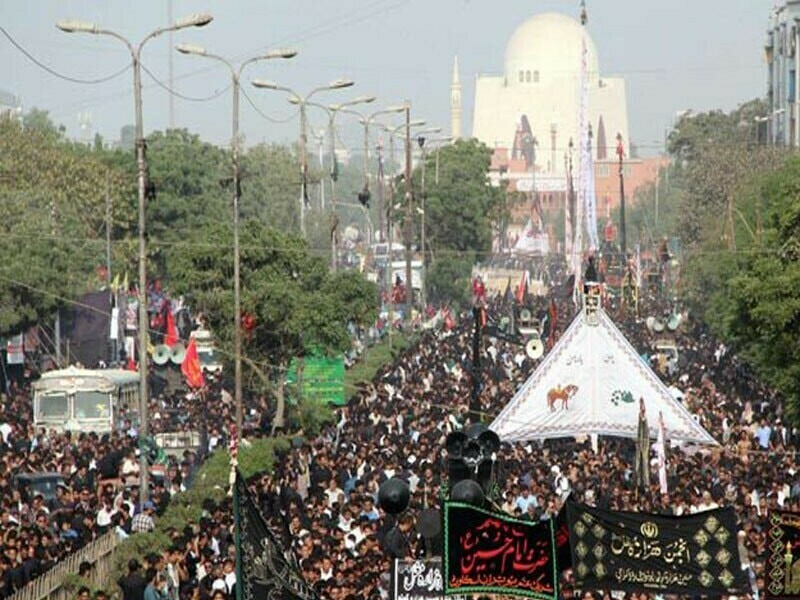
x=522 y=288
x=642 y=458
x=264 y=567
x=171 y=338
x=661 y=452
x=191 y=368
x=553 y=313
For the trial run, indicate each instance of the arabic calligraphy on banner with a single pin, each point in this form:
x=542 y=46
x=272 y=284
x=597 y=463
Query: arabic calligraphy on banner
x=783 y=555
x=417 y=579
x=488 y=552
x=634 y=551
x=266 y=569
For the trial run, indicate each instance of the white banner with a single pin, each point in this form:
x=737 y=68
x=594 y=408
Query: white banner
x=15 y=350
x=114 y=333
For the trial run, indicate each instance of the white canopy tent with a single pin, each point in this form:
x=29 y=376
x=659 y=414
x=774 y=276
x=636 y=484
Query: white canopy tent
x=590 y=383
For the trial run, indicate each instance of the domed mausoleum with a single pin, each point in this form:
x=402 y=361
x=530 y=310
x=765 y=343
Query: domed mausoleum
x=539 y=94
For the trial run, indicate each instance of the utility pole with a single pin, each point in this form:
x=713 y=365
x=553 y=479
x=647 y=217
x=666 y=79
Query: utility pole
x=623 y=233
x=171 y=74
x=424 y=273
x=474 y=404
x=196 y=20
x=334 y=176
x=303 y=168
x=108 y=267
x=236 y=74
x=409 y=222
x=237 y=290
x=381 y=203
x=390 y=237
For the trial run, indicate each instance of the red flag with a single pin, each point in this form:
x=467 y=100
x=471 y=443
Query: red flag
x=449 y=323
x=191 y=368
x=522 y=288
x=553 y=310
x=171 y=338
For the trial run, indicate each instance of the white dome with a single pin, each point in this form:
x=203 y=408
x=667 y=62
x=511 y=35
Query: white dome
x=547 y=46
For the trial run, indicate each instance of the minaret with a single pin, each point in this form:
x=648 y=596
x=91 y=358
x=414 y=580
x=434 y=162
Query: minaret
x=455 y=103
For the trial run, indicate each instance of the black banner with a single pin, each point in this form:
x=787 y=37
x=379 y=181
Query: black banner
x=91 y=328
x=695 y=554
x=783 y=555
x=264 y=569
x=417 y=579
x=490 y=553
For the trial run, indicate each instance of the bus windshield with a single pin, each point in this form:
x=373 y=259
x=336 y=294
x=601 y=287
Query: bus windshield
x=53 y=406
x=92 y=405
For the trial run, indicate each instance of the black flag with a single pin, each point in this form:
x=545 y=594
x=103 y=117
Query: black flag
x=264 y=569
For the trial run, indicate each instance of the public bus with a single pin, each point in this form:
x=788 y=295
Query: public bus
x=76 y=399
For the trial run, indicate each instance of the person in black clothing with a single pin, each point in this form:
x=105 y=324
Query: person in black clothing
x=396 y=544
x=134 y=583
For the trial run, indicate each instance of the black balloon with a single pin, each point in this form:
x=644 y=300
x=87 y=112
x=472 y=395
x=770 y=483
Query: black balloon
x=468 y=492
x=455 y=443
x=393 y=496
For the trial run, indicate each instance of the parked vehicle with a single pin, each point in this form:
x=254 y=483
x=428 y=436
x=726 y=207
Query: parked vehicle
x=76 y=399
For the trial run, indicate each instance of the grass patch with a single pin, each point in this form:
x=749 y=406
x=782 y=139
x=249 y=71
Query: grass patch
x=378 y=355
x=186 y=508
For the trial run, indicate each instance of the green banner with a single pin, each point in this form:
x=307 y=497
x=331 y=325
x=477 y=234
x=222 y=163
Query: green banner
x=322 y=379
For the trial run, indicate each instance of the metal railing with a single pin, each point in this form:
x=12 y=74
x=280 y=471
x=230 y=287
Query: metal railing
x=49 y=585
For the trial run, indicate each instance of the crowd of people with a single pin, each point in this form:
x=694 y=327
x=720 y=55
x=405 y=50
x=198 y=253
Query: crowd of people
x=322 y=496
x=92 y=487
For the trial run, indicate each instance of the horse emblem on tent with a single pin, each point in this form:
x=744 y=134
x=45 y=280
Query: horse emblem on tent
x=563 y=394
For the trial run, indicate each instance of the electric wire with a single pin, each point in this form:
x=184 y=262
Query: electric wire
x=164 y=86
x=55 y=73
x=264 y=115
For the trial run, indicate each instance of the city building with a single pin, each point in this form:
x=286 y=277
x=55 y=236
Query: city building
x=10 y=105
x=530 y=117
x=783 y=63
x=539 y=92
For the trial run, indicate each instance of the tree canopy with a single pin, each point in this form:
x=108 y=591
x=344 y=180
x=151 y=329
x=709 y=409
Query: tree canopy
x=298 y=307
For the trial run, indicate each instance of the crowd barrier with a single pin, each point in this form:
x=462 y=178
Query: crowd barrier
x=99 y=554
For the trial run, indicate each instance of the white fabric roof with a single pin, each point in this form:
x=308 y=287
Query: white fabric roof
x=609 y=377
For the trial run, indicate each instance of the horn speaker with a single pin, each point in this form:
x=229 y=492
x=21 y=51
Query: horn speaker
x=161 y=354
x=178 y=353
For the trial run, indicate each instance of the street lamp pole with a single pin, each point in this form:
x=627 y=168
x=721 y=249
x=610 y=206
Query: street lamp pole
x=332 y=111
x=424 y=275
x=366 y=121
x=623 y=233
x=196 y=20
x=236 y=74
x=302 y=101
x=409 y=223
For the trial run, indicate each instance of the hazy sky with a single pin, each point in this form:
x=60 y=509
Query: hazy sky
x=676 y=54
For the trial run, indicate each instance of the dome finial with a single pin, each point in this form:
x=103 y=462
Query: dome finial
x=584 y=14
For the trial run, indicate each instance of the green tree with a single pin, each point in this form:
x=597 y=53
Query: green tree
x=297 y=306
x=52 y=220
x=461 y=206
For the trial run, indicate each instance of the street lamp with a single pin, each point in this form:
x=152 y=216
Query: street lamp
x=332 y=110
x=336 y=84
x=366 y=121
x=236 y=74
x=623 y=233
x=72 y=26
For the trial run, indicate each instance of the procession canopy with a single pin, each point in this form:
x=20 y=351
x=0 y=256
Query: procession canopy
x=591 y=383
